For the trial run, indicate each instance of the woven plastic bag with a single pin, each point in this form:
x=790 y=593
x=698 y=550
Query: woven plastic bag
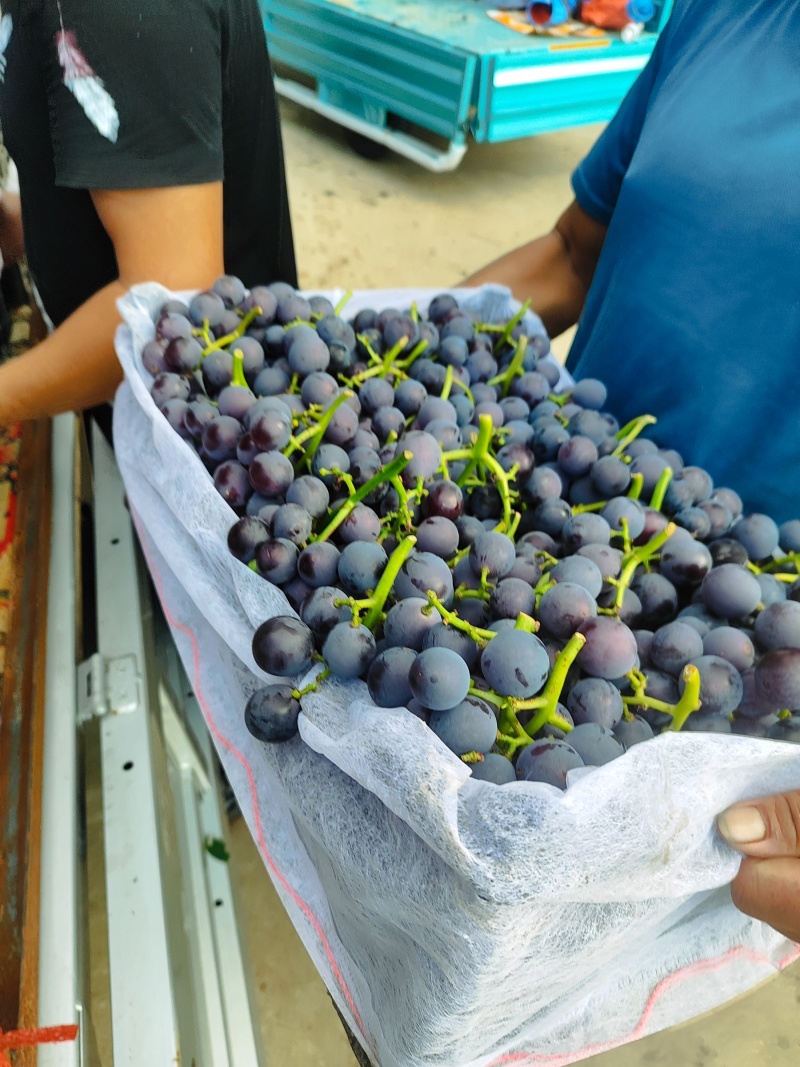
x=456 y=923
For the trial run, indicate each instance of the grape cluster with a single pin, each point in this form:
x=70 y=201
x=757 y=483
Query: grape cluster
x=543 y=587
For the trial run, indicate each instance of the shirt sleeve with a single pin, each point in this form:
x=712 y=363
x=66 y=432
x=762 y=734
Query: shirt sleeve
x=597 y=180
x=135 y=93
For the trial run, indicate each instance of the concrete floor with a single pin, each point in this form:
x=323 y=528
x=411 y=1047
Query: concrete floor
x=388 y=224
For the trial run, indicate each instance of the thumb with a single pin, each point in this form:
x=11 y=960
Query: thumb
x=766 y=828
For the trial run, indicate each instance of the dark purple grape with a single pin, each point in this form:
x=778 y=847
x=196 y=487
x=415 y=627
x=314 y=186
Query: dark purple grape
x=320 y=611
x=277 y=560
x=153 y=357
x=206 y=307
x=608 y=560
x=221 y=437
x=731 y=500
x=695 y=521
x=610 y=649
x=407 y=622
x=778 y=626
x=777 y=678
x=595 y=744
x=494 y=768
x=271 y=430
x=232 y=482
x=551 y=516
x=726 y=550
x=707 y=724
x=199 y=414
x=730 y=591
x=291 y=307
x=684 y=561
x=311 y=494
x=700 y=482
x=331 y=459
x=515 y=664
x=348 y=650
x=772 y=591
x=512 y=597
x=440 y=306
x=564 y=608
x=318 y=563
x=171 y=326
x=752 y=705
x=590 y=393
x=245 y=536
x=610 y=476
x=306 y=352
x=577 y=570
x=658 y=598
x=719 y=517
x=674 y=645
x=174 y=411
x=731 y=644
x=595 y=700
x=360 y=567
x=445 y=636
x=789 y=536
x=438 y=535
x=721 y=686
x=271 y=381
x=549 y=761
x=271 y=713
x=584 y=529
x=283 y=645
x=169 y=387
x=470 y=726
x=759 y=535
x=271 y=474
x=387 y=678
x=621 y=508
x=235 y=400
x=492 y=553
x=421 y=573
x=217 y=371
x=292 y=522
x=630 y=732
x=230 y=289
x=439 y=678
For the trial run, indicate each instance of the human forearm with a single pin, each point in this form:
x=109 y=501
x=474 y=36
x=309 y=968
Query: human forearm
x=74 y=368
x=554 y=272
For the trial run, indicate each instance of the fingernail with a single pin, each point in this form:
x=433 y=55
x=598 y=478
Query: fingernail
x=742 y=825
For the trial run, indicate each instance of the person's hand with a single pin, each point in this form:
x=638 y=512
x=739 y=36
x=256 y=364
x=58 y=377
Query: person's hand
x=767 y=886
x=12 y=243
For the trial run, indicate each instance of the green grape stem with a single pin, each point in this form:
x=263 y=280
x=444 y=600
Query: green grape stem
x=547 y=702
x=508 y=329
x=450 y=618
x=660 y=488
x=448 y=383
x=343 y=302
x=471 y=757
x=637 y=484
x=513 y=370
x=238 y=377
x=298 y=694
x=630 y=431
x=314 y=434
x=386 y=581
x=634 y=558
x=234 y=335
x=385 y=474
x=480 y=455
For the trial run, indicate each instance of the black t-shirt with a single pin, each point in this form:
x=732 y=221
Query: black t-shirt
x=137 y=94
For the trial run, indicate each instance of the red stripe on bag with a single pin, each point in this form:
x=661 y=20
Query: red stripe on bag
x=46 y=1035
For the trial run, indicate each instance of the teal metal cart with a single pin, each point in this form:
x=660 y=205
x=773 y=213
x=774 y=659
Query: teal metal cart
x=423 y=76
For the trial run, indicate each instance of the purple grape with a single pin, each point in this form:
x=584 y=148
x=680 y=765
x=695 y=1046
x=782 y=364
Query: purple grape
x=610 y=649
x=283 y=645
x=548 y=761
x=596 y=745
x=439 y=678
x=595 y=700
x=348 y=650
x=271 y=714
x=470 y=726
x=232 y=482
x=277 y=560
x=515 y=664
x=730 y=591
x=494 y=768
x=245 y=536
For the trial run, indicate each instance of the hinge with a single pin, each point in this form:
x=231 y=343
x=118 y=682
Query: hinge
x=107 y=685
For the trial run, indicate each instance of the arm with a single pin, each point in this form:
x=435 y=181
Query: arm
x=12 y=246
x=767 y=886
x=554 y=271
x=172 y=235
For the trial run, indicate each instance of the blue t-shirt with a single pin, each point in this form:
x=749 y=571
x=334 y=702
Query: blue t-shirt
x=694 y=312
